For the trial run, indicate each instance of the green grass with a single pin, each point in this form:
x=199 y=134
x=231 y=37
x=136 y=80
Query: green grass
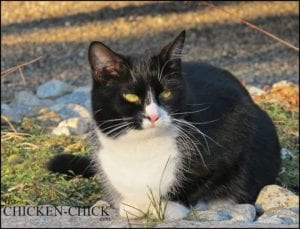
x=25 y=180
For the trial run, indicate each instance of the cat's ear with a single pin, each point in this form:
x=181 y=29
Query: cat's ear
x=104 y=62
x=173 y=50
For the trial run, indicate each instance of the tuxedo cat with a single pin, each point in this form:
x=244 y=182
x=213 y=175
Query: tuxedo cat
x=182 y=133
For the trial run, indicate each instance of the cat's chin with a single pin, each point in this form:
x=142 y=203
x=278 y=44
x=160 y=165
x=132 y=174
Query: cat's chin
x=159 y=130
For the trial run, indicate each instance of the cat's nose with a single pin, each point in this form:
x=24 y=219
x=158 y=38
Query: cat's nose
x=152 y=112
x=153 y=117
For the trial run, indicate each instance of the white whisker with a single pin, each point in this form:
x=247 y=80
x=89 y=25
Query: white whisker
x=119 y=127
x=182 y=131
x=112 y=126
x=191 y=112
x=114 y=120
x=203 y=123
x=98 y=111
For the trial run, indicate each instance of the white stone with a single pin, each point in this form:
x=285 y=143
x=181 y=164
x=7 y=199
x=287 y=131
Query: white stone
x=254 y=91
x=53 y=89
x=63 y=130
x=274 y=196
x=284 y=216
x=76 y=126
x=243 y=213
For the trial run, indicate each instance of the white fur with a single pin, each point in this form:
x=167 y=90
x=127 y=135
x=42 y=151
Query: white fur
x=138 y=161
x=141 y=161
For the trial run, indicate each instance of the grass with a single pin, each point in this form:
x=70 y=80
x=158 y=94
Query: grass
x=25 y=180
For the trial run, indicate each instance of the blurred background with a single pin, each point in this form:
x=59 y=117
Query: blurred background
x=60 y=32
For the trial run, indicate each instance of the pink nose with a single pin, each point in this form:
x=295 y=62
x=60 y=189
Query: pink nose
x=153 y=117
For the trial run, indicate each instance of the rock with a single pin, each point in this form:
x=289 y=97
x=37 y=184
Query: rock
x=8 y=112
x=239 y=212
x=23 y=110
x=282 y=216
x=23 y=102
x=47 y=102
x=5 y=108
x=254 y=91
x=53 y=89
x=220 y=204
x=243 y=213
x=61 y=131
x=67 y=111
x=76 y=126
x=45 y=116
x=274 y=196
x=79 y=97
x=26 y=98
x=16 y=113
x=271 y=220
x=209 y=215
x=282 y=83
x=86 y=89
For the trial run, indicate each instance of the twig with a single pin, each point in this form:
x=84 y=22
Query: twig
x=22 y=75
x=15 y=68
x=9 y=123
x=252 y=26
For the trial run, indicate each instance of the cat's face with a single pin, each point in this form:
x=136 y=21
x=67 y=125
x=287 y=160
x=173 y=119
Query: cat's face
x=142 y=93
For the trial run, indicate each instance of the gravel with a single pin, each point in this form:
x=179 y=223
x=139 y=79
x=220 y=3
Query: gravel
x=212 y=37
x=53 y=89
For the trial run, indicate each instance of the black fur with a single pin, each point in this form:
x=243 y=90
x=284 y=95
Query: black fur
x=72 y=165
x=240 y=152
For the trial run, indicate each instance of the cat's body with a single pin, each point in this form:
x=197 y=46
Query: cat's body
x=185 y=133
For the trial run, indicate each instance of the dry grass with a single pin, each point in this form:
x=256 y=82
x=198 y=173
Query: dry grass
x=33 y=10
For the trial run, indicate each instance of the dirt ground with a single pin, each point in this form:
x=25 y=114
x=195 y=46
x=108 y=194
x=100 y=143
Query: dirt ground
x=61 y=32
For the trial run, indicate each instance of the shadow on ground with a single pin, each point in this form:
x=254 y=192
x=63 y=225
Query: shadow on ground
x=249 y=54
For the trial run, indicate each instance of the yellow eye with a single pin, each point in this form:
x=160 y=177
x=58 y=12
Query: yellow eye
x=166 y=94
x=132 y=98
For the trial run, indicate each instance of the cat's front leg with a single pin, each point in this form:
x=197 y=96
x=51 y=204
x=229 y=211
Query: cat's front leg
x=168 y=210
x=131 y=210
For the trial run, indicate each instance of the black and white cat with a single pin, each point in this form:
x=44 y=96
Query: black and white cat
x=187 y=132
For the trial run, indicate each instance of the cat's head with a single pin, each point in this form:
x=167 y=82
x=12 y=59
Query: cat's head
x=142 y=93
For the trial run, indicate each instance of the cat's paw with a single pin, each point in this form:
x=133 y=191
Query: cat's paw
x=130 y=211
x=175 y=211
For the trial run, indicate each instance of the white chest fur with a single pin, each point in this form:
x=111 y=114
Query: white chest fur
x=140 y=160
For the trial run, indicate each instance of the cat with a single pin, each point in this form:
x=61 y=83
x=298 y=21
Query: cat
x=181 y=133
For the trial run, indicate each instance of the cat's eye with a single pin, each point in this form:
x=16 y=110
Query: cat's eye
x=132 y=98
x=166 y=94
